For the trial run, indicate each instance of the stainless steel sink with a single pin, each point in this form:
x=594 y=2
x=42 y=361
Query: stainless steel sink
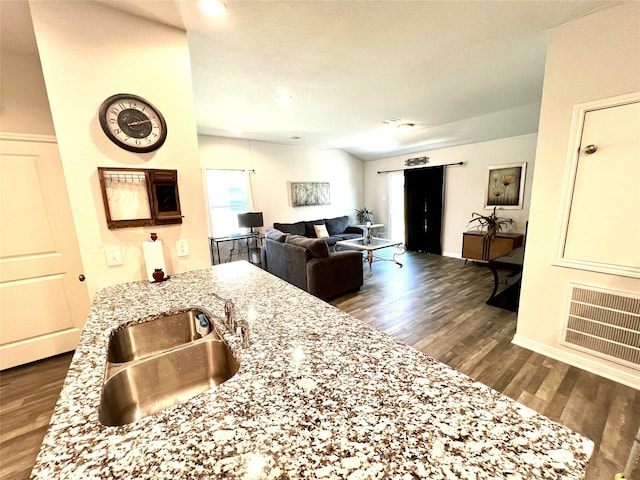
x=149 y=338
x=159 y=363
x=155 y=383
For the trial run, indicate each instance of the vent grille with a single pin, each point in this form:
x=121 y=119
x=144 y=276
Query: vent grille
x=605 y=324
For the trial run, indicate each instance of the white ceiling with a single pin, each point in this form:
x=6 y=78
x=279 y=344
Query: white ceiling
x=461 y=71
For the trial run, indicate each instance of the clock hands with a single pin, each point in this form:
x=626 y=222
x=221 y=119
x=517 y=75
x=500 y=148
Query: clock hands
x=132 y=123
x=139 y=122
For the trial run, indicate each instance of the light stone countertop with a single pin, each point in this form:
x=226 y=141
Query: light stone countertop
x=319 y=394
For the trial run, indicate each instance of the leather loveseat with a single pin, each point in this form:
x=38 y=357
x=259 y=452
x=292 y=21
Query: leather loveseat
x=338 y=229
x=308 y=264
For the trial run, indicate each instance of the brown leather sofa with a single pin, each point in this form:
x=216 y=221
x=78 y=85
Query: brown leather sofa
x=308 y=264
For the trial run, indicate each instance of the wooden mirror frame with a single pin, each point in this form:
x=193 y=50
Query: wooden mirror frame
x=162 y=195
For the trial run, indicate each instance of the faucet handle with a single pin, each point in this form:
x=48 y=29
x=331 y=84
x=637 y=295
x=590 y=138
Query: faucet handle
x=230 y=314
x=242 y=328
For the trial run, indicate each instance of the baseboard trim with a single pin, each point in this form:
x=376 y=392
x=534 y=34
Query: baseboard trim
x=575 y=359
x=37 y=348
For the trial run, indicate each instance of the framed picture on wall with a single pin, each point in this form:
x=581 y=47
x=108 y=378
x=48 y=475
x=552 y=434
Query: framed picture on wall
x=504 y=186
x=310 y=193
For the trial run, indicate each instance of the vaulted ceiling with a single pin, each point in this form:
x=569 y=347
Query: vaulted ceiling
x=459 y=71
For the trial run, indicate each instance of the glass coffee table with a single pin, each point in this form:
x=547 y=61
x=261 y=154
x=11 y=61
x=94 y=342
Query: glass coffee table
x=370 y=245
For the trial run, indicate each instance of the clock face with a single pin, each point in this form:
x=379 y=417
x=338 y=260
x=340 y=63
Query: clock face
x=131 y=122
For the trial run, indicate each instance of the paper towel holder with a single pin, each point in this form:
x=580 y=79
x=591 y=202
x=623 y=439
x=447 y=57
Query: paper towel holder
x=156 y=191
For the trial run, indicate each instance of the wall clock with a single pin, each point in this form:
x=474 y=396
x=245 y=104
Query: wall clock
x=132 y=123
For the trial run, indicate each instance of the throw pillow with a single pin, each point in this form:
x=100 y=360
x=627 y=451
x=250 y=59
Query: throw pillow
x=316 y=246
x=321 y=231
x=338 y=225
x=277 y=235
x=309 y=228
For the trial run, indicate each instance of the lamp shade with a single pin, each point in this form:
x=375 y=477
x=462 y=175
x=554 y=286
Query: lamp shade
x=250 y=219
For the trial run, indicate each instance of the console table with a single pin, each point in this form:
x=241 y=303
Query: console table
x=214 y=242
x=477 y=246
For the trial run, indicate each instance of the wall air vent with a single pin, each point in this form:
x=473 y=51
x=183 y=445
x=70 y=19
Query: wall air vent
x=604 y=323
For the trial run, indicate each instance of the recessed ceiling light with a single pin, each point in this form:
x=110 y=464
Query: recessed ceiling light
x=284 y=99
x=214 y=8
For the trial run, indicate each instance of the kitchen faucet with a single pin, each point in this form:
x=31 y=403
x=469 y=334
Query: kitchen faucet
x=232 y=323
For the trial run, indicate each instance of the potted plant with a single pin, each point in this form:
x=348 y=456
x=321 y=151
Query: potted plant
x=364 y=215
x=492 y=223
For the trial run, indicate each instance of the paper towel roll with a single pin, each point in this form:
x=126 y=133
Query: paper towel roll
x=153 y=258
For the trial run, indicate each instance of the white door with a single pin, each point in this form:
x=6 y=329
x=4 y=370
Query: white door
x=605 y=204
x=43 y=303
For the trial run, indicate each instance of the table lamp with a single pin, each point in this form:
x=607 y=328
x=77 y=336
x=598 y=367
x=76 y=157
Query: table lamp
x=250 y=220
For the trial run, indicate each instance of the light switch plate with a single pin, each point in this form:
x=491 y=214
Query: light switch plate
x=113 y=256
x=182 y=247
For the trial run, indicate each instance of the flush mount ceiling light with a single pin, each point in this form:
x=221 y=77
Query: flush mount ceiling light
x=213 y=8
x=405 y=127
x=392 y=121
x=395 y=122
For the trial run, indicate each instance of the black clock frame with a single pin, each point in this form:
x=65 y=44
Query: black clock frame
x=102 y=115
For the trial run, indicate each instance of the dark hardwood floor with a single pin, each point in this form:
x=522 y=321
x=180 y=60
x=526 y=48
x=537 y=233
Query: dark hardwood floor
x=435 y=304
x=28 y=395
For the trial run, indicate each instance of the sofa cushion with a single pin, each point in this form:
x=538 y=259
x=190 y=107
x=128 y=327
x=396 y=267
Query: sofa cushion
x=335 y=226
x=321 y=231
x=331 y=241
x=294 y=228
x=316 y=246
x=349 y=236
x=309 y=228
x=277 y=235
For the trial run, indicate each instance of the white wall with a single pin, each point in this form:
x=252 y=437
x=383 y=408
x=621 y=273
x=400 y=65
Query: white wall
x=277 y=165
x=464 y=185
x=88 y=53
x=595 y=57
x=24 y=107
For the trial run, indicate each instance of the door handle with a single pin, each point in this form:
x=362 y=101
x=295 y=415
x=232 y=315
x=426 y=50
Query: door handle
x=81 y=277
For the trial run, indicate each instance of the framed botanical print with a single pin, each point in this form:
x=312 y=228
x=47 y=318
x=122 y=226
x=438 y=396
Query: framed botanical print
x=504 y=186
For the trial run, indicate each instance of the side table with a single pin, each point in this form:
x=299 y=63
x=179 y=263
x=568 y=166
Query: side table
x=371 y=228
x=214 y=245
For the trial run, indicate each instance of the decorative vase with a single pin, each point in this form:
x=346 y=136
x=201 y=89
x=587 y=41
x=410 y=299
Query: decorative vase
x=158 y=275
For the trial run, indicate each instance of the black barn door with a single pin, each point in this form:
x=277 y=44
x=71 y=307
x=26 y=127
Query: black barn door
x=423 y=202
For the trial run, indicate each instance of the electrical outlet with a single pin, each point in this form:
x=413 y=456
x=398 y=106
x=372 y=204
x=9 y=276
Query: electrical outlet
x=182 y=247
x=113 y=256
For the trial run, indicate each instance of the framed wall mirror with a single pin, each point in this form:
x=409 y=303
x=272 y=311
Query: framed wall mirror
x=140 y=197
